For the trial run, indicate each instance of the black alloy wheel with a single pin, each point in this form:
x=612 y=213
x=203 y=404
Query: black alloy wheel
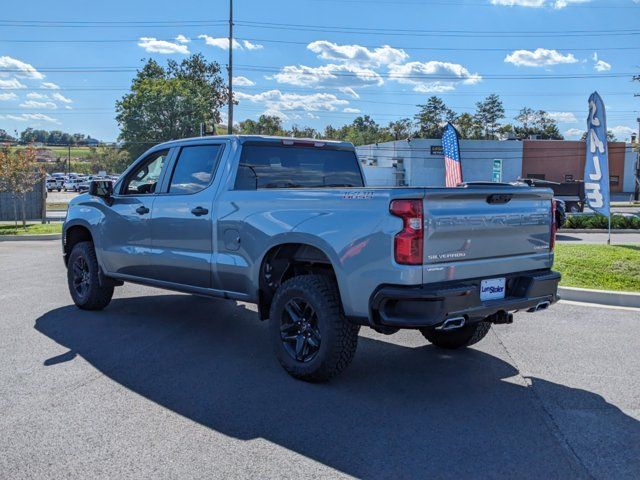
x=81 y=277
x=299 y=330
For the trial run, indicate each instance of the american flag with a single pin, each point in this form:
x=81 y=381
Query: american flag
x=451 y=150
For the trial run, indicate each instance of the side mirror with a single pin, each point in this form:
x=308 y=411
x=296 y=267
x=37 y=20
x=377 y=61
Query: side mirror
x=102 y=189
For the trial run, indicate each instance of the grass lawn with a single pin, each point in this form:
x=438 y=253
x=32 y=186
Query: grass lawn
x=32 y=229
x=599 y=267
x=57 y=206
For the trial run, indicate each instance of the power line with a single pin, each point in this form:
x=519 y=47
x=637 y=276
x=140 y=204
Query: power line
x=430 y=33
x=365 y=75
x=288 y=42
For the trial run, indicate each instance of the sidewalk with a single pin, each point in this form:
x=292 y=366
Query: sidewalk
x=616 y=238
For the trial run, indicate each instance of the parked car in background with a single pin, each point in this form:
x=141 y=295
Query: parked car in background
x=53 y=183
x=571 y=193
x=86 y=182
x=290 y=225
x=72 y=184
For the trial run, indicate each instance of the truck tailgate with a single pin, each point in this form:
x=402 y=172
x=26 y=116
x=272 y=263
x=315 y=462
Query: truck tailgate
x=483 y=230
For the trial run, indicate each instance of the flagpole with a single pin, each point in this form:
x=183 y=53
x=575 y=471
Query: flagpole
x=609 y=239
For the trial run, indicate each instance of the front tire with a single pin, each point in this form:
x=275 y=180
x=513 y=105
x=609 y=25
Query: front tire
x=458 y=338
x=83 y=279
x=311 y=337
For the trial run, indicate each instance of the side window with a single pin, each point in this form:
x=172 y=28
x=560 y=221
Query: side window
x=194 y=168
x=276 y=166
x=144 y=179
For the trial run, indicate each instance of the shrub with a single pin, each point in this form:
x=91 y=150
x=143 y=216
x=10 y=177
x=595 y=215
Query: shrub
x=577 y=221
x=599 y=221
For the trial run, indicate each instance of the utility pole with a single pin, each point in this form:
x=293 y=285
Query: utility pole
x=230 y=69
x=69 y=160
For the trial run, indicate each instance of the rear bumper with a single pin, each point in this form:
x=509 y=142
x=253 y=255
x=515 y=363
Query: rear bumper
x=430 y=305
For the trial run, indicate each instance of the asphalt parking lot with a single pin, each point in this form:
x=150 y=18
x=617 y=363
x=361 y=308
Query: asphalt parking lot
x=164 y=385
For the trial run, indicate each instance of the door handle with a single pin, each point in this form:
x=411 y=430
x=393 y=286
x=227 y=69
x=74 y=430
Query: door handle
x=198 y=211
x=142 y=210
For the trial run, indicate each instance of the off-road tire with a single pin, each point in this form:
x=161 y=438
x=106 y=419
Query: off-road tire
x=96 y=296
x=458 y=338
x=339 y=337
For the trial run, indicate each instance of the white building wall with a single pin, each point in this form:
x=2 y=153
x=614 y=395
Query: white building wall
x=630 y=159
x=426 y=169
x=379 y=176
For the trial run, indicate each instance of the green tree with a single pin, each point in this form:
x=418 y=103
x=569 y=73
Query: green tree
x=363 y=131
x=266 y=125
x=303 y=132
x=538 y=123
x=468 y=126
x=111 y=160
x=170 y=102
x=400 y=129
x=19 y=172
x=5 y=137
x=432 y=118
x=489 y=112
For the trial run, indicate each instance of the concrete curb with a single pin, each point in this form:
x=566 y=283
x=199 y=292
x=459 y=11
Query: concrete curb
x=22 y=238
x=602 y=297
x=596 y=230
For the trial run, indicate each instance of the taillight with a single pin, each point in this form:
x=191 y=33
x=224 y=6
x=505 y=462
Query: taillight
x=407 y=245
x=554 y=226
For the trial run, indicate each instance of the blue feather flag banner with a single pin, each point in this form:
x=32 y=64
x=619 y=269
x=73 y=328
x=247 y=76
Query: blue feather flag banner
x=451 y=151
x=596 y=168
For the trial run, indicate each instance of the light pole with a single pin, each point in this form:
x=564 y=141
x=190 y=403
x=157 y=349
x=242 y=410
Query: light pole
x=230 y=70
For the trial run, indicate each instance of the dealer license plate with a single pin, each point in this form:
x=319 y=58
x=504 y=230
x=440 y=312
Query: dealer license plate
x=492 y=289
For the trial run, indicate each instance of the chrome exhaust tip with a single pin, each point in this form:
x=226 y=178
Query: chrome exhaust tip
x=452 y=323
x=541 y=306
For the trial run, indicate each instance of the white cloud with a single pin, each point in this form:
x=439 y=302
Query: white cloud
x=8 y=96
x=21 y=69
x=153 y=45
x=182 y=39
x=11 y=83
x=574 y=132
x=563 y=117
x=36 y=96
x=351 y=110
x=344 y=77
x=277 y=101
x=36 y=104
x=558 y=4
x=358 y=55
x=251 y=46
x=602 y=66
x=541 y=57
x=36 y=117
x=520 y=3
x=68 y=107
x=221 y=42
x=243 y=81
x=566 y=3
x=433 y=76
x=622 y=132
x=61 y=98
x=50 y=86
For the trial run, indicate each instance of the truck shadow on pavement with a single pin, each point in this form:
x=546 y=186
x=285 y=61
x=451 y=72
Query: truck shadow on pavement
x=397 y=412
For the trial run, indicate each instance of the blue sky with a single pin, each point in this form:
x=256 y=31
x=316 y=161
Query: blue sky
x=315 y=62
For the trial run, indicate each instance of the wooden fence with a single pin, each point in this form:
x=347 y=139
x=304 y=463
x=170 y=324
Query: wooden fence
x=35 y=207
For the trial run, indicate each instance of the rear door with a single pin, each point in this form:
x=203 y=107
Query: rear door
x=181 y=225
x=481 y=231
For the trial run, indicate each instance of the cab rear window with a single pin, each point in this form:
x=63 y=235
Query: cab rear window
x=274 y=166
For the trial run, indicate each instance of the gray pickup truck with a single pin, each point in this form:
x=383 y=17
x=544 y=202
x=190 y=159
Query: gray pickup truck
x=290 y=225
